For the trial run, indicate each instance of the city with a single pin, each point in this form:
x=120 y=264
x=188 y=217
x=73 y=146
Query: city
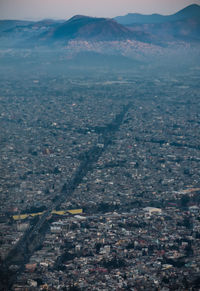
x=122 y=151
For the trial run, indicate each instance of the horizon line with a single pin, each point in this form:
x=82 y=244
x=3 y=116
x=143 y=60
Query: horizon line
x=64 y=19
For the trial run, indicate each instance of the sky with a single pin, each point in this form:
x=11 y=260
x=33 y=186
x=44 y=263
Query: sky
x=64 y=9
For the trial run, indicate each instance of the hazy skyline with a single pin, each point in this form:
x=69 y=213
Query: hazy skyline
x=64 y=9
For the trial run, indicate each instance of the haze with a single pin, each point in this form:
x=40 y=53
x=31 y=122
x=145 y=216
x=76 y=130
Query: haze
x=63 y=9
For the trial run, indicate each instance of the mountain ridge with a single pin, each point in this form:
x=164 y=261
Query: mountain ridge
x=181 y=26
x=132 y=18
x=85 y=27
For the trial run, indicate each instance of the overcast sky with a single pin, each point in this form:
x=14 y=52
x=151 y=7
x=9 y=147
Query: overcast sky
x=64 y=9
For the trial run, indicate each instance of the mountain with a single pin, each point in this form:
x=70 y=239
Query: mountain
x=155 y=29
x=192 y=11
x=91 y=28
x=183 y=25
x=9 y=25
x=20 y=27
x=17 y=33
x=187 y=30
x=133 y=18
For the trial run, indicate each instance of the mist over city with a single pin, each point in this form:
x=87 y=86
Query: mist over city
x=100 y=146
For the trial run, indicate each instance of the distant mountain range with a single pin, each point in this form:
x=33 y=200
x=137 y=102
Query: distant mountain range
x=192 y=11
x=83 y=27
x=183 y=25
x=155 y=29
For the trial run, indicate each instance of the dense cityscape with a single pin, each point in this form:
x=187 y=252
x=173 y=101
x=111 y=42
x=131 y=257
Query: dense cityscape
x=100 y=146
x=121 y=152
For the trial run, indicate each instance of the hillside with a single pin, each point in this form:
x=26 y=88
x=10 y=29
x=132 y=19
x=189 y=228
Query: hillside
x=183 y=25
x=192 y=11
x=91 y=28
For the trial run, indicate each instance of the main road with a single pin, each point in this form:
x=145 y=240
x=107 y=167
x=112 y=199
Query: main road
x=34 y=236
